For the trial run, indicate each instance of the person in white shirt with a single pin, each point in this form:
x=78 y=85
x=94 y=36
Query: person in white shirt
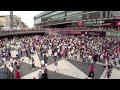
x=69 y=55
x=40 y=73
x=90 y=60
x=42 y=64
x=72 y=54
x=10 y=68
x=55 y=55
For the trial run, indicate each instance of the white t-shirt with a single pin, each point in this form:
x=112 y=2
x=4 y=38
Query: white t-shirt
x=69 y=53
x=4 y=59
x=72 y=51
x=101 y=56
x=58 y=50
x=42 y=62
x=90 y=57
x=11 y=69
x=55 y=54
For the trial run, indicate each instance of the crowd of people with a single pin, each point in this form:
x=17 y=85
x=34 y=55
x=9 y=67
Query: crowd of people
x=86 y=49
x=57 y=29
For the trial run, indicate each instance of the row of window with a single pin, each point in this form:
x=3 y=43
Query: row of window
x=91 y=15
x=81 y=17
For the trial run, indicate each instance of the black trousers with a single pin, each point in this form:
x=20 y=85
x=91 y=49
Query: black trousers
x=94 y=61
x=33 y=66
x=91 y=74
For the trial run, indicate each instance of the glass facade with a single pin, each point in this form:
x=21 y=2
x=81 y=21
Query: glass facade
x=57 y=17
x=91 y=15
x=114 y=13
x=73 y=12
x=74 y=18
x=52 y=16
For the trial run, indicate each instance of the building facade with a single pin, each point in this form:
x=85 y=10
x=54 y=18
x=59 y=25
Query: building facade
x=61 y=19
x=2 y=21
x=5 y=22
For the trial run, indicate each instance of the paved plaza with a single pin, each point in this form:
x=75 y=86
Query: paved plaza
x=67 y=69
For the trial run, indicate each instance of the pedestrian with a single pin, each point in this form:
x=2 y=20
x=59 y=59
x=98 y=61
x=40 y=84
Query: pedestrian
x=89 y=60
x=17 y=74
x=11 y=70
x=11 y=64
x=55 y=55
x=94 y=58
x=45 y=74
x=91 y=73
x=46 y=59
x=55 y=64
x=42 y=64
x=33 y=64
x=18 y=66
x=40 y=74
x=108 y=74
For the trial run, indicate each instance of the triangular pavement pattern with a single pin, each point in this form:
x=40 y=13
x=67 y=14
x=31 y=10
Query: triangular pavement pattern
x=115 y=74
x=26 y=69
x=53 y=75
x=84 y=68
x=66 y=68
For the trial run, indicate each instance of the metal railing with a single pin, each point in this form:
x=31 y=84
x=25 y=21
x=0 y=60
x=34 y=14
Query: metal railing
x=37 y=30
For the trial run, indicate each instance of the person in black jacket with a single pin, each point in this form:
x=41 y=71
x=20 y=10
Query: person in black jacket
x=33 y=64
x=95 y=58
x=44 y=75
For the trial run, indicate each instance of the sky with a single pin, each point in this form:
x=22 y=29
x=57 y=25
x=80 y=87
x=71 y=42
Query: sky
x=26 y=16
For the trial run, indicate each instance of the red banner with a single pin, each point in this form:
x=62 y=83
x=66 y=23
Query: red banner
x=118 y=23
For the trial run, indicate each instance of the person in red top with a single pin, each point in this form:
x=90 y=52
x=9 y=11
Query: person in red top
x=91 y=73
x=17 y=74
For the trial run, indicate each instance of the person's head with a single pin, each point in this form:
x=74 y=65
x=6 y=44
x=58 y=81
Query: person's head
x=15 y=63
x=5 y=66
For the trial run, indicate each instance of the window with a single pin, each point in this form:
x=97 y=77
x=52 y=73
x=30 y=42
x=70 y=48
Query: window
x=104 y=14
x=108 y=13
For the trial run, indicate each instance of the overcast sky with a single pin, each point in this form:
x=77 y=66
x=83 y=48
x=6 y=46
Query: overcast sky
x=26 y=16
